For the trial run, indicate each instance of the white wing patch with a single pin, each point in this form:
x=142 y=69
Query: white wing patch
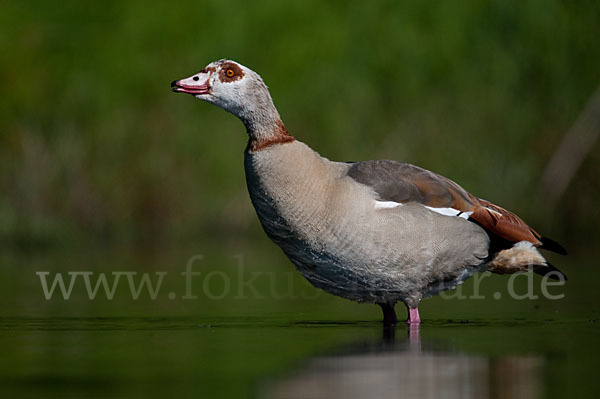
x=465 y=215
x=450 y=212
x=441 y=211
x=386 y=204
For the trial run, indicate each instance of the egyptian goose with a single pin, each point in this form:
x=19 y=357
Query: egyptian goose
x=373 y=231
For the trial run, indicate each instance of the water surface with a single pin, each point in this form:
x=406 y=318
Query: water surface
x=288 y=341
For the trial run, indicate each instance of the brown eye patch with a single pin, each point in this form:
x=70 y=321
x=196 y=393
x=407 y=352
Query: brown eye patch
x=230 y=72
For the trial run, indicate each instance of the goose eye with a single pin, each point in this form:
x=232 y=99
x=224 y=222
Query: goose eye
x=229 y=72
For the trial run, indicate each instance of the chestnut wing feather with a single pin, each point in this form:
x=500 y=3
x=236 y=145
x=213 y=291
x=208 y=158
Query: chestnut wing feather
x=402 y=182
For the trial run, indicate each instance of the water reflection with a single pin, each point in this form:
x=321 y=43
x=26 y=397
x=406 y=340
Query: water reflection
x=409 y=366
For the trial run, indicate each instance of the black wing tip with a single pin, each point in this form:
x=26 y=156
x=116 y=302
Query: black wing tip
x=550 y=271
x=553 y=246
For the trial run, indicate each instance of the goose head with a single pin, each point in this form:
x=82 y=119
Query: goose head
x=235 y=88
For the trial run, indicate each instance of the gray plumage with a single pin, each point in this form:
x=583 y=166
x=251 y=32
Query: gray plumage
x=329 y=227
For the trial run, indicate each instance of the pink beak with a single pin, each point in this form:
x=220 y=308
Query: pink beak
x=194 y=85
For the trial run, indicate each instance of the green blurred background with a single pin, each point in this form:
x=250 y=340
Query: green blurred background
x=95 y=149
x=102 y=168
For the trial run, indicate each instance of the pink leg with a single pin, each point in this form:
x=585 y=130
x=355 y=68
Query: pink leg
x=413 y=317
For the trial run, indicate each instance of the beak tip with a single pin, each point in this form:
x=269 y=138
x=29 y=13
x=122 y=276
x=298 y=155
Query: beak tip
x=174 y=83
